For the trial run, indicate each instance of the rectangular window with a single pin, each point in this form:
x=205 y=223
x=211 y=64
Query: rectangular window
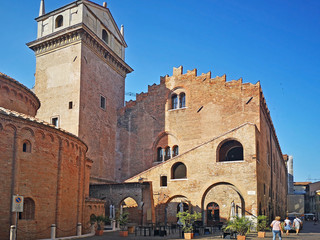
x=55 y=121
x=103 y=102
x=70 y=105
x=163 y=181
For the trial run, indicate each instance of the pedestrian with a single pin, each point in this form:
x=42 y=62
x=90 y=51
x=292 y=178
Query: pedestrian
x=297 y=224
x=314 y=220
x=287 y=225
x=276 y=228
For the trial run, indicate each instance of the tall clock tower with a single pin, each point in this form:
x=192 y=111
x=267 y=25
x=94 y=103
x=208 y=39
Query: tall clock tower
x=80 y=77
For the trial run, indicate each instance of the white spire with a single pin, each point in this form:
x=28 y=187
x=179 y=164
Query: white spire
x=42 y=10
x=122 y=30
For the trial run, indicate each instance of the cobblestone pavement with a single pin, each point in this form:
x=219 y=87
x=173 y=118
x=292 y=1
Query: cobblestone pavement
x=309 y=232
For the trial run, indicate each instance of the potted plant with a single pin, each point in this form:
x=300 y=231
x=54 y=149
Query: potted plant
x=100 y=221
x=187 y=219
x=240 y=225
x=262 y=226
x=123 y=221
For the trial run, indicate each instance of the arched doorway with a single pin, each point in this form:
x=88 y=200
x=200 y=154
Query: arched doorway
x=130 y=205
x=220 y=197
x=213 y=213
x=173 y=206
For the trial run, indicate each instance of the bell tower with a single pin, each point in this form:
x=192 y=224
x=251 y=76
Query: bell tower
x=80 y=77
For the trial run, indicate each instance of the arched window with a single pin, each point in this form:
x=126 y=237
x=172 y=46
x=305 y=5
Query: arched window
x=174 y=101
x=178 y=171
x=159 y=154
x=59 y=21
x=28 y=209
x=163 y=181
x=182 y=100
x=105 y=36
x=26 y=146
x=175 y=151
x=231 y=150
x=167 y=153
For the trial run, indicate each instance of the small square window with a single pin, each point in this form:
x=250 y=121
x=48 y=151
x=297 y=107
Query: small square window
x=163 y=181
x=55 y=121
x=70 y=105
x=103 y=102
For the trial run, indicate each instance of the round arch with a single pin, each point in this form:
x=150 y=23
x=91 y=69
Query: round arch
x=131 y=205
x=223 y=193
x=230 y=149
x=162 y=141
x=179 y=171
x=172 y=206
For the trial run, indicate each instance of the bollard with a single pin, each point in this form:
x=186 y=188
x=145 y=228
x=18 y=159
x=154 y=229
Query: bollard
x=79 y=229
x=113 y=224
x=53 y=231
x=93 y=228
x=13 y=232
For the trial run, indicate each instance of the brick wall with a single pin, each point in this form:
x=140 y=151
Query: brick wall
x=51 y=174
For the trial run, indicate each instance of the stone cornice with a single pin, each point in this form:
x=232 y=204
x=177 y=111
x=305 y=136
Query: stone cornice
x=80 y=33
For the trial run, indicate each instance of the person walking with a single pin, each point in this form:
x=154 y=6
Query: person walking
x=297 y=224
x=276 y=228
x=287 y=225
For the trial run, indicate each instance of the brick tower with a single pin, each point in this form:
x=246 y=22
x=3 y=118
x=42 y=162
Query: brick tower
x=80 y=77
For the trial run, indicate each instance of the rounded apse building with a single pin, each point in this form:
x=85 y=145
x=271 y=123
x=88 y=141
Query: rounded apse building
x=44 y=164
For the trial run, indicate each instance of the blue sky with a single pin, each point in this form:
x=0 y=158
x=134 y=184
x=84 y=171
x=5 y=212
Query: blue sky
x=276 y=42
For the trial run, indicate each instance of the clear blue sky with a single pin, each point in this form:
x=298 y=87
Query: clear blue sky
x=276 y=42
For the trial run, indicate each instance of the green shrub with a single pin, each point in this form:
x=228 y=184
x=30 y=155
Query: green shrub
x=240 y=225
x=187 y=219
x=262 y=224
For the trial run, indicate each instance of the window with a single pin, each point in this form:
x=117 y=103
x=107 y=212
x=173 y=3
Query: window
x=159 y=154
x=182 y=100
x=55 y=121
x=103 y=102
x=28 y=209
x=167 y=153
x=26 y=146
x=105 y=36
x=178 y=101
x=231 y=150
x=175 y=151
x=70 y=105
x=178 y=171
x=59 y=21
x=174 y=101
x=163 y=181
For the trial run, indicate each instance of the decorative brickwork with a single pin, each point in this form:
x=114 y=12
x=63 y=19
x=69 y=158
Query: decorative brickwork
x=44 y=164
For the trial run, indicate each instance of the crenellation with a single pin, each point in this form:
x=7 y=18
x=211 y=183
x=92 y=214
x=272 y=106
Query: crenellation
x=191 y=72
x=177 y=71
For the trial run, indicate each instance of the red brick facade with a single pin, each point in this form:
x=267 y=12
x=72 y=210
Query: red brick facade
x=45 y=165
x=216 y=113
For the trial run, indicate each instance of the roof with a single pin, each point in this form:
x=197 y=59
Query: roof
x=301 y=183
x=21 y=85
x=29 y=118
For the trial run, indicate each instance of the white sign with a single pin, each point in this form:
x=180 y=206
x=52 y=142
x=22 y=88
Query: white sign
x=251 y=192
x=17 y=203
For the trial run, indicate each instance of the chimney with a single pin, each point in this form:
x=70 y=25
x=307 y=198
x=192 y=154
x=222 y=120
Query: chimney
x=104 y=4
